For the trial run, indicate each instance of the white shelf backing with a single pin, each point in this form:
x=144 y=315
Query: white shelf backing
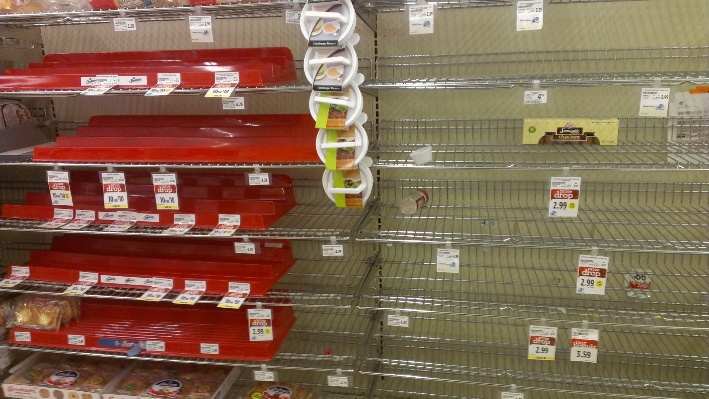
x=553 y=68
x=671 y=357
x=496 y=143
x=314 y=281
x=661 y=217
x=536 y=283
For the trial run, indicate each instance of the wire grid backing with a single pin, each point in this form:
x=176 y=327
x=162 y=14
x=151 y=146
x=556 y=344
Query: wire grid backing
x=638 y=360
x=643 y=143
x=551 y=67
x=358 y=388
x=400 y=5
x=314 y=281
x=665 y=217
x=536 y=283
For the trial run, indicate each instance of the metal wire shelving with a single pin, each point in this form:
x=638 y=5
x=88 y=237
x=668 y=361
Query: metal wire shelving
x=400 y=5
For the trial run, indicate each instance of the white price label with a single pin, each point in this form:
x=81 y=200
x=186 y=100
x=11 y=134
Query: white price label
x=397 y=320
x=654 y=102
x=23 y=336
x=124 y=24
x=535 y=97
x=421 y=19
x=167 y=83
x=124 y=221
x=542 y=343
x=448 y=260
x=564 y=196
x=100 y=84
x=17 y=275
x=259 y=179
x=160 y=288
x=260 y=375
x=59 y=189
x=530 y=15
x=155 y=346
x=78 y=340
x=165 y=187
x=224 y=84
x=592 y=273
x=61 y=217
x=638 y=281
x=83 y=218
x=194 y=289
x=209 y=349
x=338 y=381
x=512 y=395
x=228 y=224
x=292 y=17
x=584 y=345
x=115 y=195
x=233 y=103
x=201 y=29
x=86 y=281
x=260 y=325
x=249 y=248
x=183 y=222
x=333 y=250
x=238 y=292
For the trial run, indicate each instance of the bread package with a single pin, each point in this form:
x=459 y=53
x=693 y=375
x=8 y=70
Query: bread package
x=176 y=381
x=44 y=312
x=272 y=390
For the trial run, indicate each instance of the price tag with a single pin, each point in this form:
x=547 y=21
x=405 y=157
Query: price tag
x=535 y=97
x=397 y=320
x=338 y=381
x=259 y=179
x=564 y=196
x=542 y=343
x=124 y=221
x=238 y=292
x=59 y=189
x=292 y=17
x=82 y=219
x=165 y=187
x=201 y=29
x=639 y=283
x=421 y=19
x=194 y=289
x=78 y=340
x=333 y=250
x=61 y=217
x=115 y=195
x=584 y=345
x=183 y=222
x=530 y=15
x=228 y=224
x=260 y=375
x=160 y=288
x=512 y=395
x=448 y=260
x=23 y=336
x=654 y=102
x=260 y=325
x=124 y=24
x=250 y=248
x=155 y=346
x=18 y=274
x=100 y=84
x=209 y=349
x=592 y=275
x=167 y=83
x=86 y=281
x=233 y=103
x=224 y=84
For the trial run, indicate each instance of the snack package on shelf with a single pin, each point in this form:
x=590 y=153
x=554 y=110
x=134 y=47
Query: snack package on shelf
x=281 y=390
x=54 y=376
x=178 y=381
x=44 y=312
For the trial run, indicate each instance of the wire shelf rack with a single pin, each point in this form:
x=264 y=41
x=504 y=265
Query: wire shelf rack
x=358 y=388
x=652 y=217
x=491 y=353
x=643 y=143
x=554 y=68
x=400 y=5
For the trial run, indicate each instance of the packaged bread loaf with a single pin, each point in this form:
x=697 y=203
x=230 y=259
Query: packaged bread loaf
x=44 y=312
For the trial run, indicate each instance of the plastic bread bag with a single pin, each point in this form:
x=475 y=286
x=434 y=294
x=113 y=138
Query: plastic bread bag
x=44 y=312
x=68 y=5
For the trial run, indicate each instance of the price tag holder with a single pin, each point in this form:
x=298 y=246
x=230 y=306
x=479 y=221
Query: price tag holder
x=260 y=325
x=259 y=179
x=99 y=84
x=238 y=292
x=228 y=224
x=292 y=17
x=421 y=19
x=124 y=24
x=512 y=395
x=18 y=274
x=115 y=195
x=342 y=381
x=183 y=222
x=194 y=289
x=160 y=288
x=165 y=187
x=249 y=248
x=447 y=260
x=124 y=221
x=542 y=343
x=592 y=273
x=397 y=320
x=86 y=281
x=233 y=103
x=155 y=346
x=201 y=29
x=224 y=84
x=638 y=281
x=654 y=102
x=564 y=196
x=530 y=15
x=59 y=189
x=82 y=219
x=209 y=349
x=261 y=375
x=584 y=345
x=23 y=336
x=61 y=217
x=535 y=97
x=78 y=340
x=167 y=83
x=333 y=250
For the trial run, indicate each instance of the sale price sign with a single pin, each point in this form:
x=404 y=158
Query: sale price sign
x=59 y=189
x=542 y=343
x=592 y=275
x=165 y=187
x=115 y=195
x=564 y=196
x=260 y=325
x=584 y=345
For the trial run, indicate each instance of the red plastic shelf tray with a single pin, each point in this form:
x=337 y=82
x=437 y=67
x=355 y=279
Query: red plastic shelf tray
x=114 y=327
x=202 y=120
x=176 y=55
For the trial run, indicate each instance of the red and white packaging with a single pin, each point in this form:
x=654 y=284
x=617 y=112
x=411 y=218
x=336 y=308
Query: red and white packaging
x=584 y=345
x=238 y=292
x=592 y=272
x=61 y=217
x=542 y=343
